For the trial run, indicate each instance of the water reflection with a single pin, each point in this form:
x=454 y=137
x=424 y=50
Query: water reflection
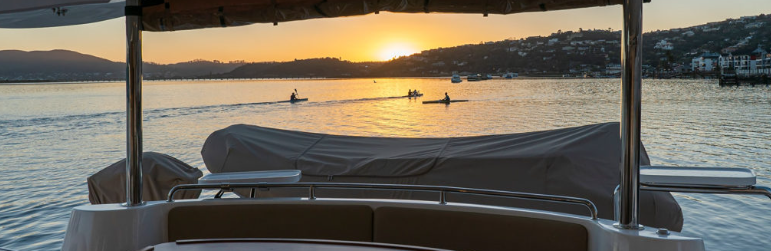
x=54 y=136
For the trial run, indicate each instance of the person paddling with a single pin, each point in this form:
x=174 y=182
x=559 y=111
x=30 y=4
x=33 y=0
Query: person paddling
x=293 y=97
x=446 y=98
x=409 y=93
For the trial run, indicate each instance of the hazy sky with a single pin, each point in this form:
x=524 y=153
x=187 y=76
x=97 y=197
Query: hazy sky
x=363 y=38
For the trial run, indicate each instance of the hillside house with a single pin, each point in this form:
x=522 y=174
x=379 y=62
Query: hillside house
x=705 y=62
x=754 y=25
x=664 y=45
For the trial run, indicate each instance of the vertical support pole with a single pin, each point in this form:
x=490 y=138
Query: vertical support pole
x=312 y=192
x=134 y=103
x=631 y=87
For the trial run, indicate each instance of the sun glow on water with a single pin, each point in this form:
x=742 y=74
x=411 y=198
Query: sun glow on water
x=395 y=50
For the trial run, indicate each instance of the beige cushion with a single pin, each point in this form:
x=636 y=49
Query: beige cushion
x=463 y=231
x=333 y=222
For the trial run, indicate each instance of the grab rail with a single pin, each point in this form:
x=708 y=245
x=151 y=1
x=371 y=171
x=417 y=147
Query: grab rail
x=704 y=189
x=442 y=190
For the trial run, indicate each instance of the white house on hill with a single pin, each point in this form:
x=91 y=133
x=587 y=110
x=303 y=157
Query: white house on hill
x=705 y=62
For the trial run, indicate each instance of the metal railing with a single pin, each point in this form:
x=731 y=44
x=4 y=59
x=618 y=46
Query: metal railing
x=442 y=190
x=761 y=190
x=679 y=188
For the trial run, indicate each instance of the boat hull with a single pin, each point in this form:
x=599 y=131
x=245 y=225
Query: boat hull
x=294 y=101
x=115 y=227
x=444 y=101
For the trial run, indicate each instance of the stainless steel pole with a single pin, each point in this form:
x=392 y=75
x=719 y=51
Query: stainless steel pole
x=631 y=83
x=133 y=103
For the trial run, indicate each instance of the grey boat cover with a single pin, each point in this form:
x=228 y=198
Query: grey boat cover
x=160 y=172
x=580 y=162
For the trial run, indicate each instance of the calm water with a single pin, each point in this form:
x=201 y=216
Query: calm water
x=53 y=136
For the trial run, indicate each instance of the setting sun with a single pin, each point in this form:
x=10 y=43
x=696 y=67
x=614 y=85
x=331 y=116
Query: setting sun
x=396 y=50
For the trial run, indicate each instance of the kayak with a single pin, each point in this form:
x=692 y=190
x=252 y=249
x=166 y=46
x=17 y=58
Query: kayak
x=413 y=96
x=443 y=101
x=293 y=101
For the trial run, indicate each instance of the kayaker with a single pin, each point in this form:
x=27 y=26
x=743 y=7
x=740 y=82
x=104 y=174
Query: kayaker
x=409 y=93
x=446 y=98
x=293 y=97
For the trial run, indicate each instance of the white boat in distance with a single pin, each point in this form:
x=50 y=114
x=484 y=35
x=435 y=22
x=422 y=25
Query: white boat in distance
x=309 y=222
x=456 y=78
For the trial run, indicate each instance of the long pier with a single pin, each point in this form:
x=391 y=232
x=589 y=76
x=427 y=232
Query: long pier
x=53 y=81
x=232 y=79
x=734 y=80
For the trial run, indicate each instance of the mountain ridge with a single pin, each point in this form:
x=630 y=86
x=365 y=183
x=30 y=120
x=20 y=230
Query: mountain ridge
x=66 y=65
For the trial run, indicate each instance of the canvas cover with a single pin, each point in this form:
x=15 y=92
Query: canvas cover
x=160 y=173
x=581 y=162
x=171 y=15
x=9 y=6
x=22 y=14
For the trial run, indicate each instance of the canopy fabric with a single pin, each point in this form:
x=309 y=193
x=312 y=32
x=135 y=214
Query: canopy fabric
x=581 y=162
x=10 y=6
x=194 y=14
x=171 y=15
x=23 y=14
x=160 y=172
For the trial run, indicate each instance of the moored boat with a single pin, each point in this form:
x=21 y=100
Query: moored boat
x=456 y=78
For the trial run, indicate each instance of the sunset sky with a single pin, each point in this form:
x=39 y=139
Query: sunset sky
x=363 y=38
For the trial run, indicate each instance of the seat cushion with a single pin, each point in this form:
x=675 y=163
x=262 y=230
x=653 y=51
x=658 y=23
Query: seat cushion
x=332 y=222
x=464 y=231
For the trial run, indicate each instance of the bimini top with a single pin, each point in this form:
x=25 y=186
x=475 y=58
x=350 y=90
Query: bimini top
x=170 y=15
x=51 y=13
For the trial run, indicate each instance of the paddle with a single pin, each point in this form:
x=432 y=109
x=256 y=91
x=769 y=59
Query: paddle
x=296 y=93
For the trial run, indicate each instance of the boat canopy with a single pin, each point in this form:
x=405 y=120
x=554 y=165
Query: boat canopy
x=193 y=14
x=171 y=15
x=579 y=162
x=22 y=14
x=9 y=6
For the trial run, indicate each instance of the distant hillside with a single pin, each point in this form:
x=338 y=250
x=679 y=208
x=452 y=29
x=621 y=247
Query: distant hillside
x=64 y=65
x=592 y=52
x=587 y=51
x=555 y=54
x=56 y=64
x=738 y=36
x=190 y=69
x=306 y=68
